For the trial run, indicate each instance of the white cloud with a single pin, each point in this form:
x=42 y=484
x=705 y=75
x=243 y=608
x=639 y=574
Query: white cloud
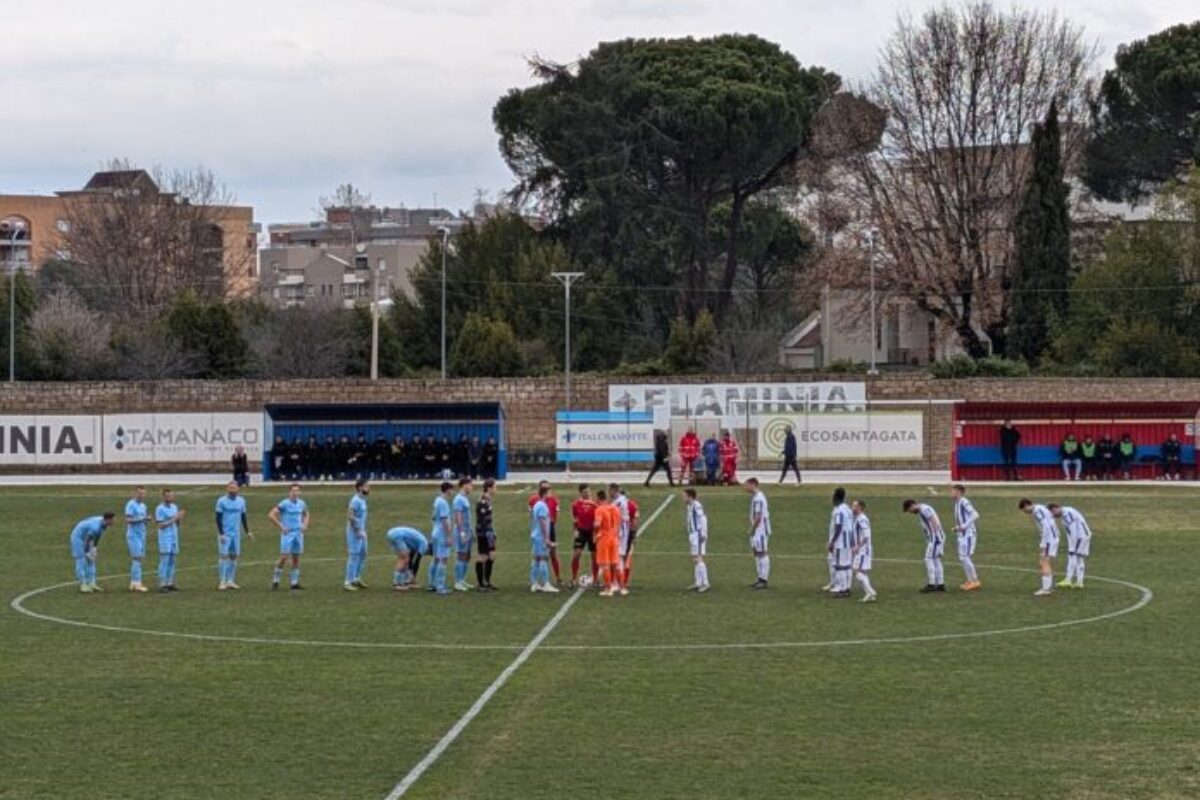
x=285 y=99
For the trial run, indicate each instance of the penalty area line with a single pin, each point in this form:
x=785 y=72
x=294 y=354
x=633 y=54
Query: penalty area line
x=422 y=766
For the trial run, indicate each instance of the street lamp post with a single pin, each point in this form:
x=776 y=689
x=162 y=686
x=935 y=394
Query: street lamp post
x=12 y=301
x=445 y=233
x=567 y=278
x=375 y=321
x=874 y=322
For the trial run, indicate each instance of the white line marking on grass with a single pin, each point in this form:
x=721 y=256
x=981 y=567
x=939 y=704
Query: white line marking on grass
x=18 y=604
x=444 y=743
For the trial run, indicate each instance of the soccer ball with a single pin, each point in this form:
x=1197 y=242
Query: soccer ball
x=585 y=581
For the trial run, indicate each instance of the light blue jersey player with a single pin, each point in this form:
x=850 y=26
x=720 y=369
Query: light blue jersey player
x=408 y=544
x=167 y=517
x=539 y=542
x=231 y=521
x=135 y=537
x=356 y=536
x=291 y=517
x=85 y=541
x=464 y=534
x=441 y=539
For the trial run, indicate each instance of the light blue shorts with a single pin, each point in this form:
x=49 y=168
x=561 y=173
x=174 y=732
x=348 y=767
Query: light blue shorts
x=168 y=544
x=539 y=547
x=399 y=546
x=77 y=549
x=232 y=548
x=291 y=543
x=355 y=544
x=137 y=545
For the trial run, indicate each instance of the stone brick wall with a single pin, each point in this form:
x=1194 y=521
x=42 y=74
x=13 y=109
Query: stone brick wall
x=530 y=403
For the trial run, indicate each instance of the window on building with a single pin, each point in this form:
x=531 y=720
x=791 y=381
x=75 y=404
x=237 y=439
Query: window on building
x=309 y=291
x=63 y=225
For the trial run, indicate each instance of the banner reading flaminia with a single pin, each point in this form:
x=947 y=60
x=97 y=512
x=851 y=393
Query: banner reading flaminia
x=862 y=436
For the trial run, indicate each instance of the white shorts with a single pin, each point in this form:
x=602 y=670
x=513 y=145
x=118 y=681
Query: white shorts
x=698 y=546
x=861 y=561
x=758 y=542
x=935 y=548
x=966 y=545
x=1080 y=546
x=1049 y=547
x=841 y=558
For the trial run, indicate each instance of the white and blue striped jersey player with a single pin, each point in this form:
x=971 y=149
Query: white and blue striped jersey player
x=760 y=535
x=935 y=546
x=697 y=532
x=841 y=541
x=1079 y=545
x=136 y=516
x=1047 y=530
x=356 y=540
x=966 y=519
x=231 y=519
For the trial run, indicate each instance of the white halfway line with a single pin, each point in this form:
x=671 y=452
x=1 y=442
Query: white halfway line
x=401 y=788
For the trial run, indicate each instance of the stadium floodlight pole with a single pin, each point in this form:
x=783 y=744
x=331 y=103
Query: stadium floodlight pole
x=567 y=278
x=12 y=301
x=445 y=234
x=874 y=322
x=375 y=322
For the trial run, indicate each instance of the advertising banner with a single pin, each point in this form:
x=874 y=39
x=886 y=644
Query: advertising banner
x=49 y=439
x=130 y=438
x=864 y=436
x=733 y=402
x=599 y=436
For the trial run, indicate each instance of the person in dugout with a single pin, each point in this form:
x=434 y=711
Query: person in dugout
x=729 y=459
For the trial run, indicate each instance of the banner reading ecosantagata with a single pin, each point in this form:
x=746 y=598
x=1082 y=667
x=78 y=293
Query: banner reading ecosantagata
x=862 y=436
x=732 y=401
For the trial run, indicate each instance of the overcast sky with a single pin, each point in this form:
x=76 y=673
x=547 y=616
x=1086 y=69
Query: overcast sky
x=284 y=99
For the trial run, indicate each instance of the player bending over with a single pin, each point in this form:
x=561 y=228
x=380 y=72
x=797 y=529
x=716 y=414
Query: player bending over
x=583 y=513
x=935 y=545
x=760 y=534
x=440 y=540
x=231 y=521
x=697 y=532
x=168 y=516
x=290 y=515
x=356 y=536
x=407 y=544
x=1079 y=544
x=1047 y=542
x=965 y=519
x=464 y=535
x=485 y=537
x=85 y=543
x=861 y=551
x=841 y=538
x=135 y=537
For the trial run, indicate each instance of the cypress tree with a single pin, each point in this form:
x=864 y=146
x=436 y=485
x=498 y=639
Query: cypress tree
x=1042 y=257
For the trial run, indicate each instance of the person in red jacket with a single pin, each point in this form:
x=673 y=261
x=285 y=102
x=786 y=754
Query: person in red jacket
x=689 y=451
x=729 y=459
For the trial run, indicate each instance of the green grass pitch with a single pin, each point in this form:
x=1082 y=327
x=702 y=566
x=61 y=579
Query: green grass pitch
x=636 y=697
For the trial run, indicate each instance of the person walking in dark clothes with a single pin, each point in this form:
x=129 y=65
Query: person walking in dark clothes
x=662 y=457
x=789 y=456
